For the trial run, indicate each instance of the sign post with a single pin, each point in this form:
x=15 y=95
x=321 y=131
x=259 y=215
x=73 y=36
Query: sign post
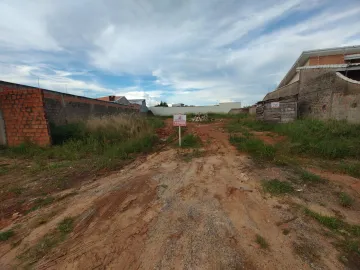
x=179 y=120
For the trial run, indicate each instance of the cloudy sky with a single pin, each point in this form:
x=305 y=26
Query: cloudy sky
x=195 y=52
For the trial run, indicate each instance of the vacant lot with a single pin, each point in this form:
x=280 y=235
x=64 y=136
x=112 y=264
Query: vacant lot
x=239 y=195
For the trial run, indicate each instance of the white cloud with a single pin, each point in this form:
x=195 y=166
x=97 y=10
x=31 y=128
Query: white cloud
x=198 y=52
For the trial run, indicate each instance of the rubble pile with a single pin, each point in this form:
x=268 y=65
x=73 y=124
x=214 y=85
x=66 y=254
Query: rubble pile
x=200 y=117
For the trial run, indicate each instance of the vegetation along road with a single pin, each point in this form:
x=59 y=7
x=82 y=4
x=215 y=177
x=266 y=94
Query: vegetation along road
x=240 y=194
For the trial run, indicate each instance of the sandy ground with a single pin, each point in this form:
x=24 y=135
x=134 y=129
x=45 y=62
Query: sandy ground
x=162 y=212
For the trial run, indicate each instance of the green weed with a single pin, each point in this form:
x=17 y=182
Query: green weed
x=257 y=148
x=190 y=140
x=6 y=235
x=277 y=187
x=41 y=202
x=66 y=226
x=345 y=199
x=311 y=178
x=332 y=223
x=261 y=241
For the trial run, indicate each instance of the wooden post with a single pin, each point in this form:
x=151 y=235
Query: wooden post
x=179 y=136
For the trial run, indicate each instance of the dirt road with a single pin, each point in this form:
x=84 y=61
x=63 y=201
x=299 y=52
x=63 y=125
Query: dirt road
x=162 y=212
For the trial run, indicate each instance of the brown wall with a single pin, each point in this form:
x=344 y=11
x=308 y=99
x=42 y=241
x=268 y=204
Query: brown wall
x=24 y=115
x=326 y=60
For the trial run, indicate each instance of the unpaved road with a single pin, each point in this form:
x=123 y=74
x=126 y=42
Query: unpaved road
x=162 y=212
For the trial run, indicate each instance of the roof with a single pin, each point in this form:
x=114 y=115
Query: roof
x=305 y=55
x=136 y=100
x=107 y=98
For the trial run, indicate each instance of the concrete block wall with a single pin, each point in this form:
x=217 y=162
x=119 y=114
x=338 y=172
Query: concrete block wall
x=63 y=108
x=221 y=108
x=23 y=115
x=326 y=95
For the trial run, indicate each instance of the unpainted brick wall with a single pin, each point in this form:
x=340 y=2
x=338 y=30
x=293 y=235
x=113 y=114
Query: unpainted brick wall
x=24 y=115
x=327 y=60
x=63 y=108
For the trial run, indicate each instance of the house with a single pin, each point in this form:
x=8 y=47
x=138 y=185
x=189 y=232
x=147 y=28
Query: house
x=117 y=99
x=178 y=105
x=142 y=103
x=324 y=84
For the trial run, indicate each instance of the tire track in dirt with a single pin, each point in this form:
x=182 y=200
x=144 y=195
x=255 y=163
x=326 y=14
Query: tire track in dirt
x=163 y=213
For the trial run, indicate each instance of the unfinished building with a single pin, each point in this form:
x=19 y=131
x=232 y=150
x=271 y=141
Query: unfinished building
x=325 y=84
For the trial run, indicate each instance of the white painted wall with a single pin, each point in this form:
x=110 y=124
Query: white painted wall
x=221 y=108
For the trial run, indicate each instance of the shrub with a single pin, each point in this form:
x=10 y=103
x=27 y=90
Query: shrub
x=346 y=200
x=261 y=241
x=6 y=235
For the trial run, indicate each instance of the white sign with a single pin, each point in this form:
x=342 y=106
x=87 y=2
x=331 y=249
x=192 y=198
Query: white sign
x=179 y=120
x=275 y=104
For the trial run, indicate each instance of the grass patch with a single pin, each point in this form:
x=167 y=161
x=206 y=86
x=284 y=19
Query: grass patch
x=310 y=178
x=190 y=140
x=48 y=242
x=326 y=139
x=41 y=202
x=66 y=226
x=334 y=223
x=345 y=199
x=257 y=148
x=6 y=235
x=261 y=241
x=277 y=187
x=350 y=168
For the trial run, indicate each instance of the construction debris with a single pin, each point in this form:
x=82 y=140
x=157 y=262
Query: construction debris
x=202 y=118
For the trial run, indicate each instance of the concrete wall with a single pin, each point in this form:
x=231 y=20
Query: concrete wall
x=285 y=91
x=63 y=108
x=221 y=108
x=252 y=110
x=23 y=115
x=325 y=94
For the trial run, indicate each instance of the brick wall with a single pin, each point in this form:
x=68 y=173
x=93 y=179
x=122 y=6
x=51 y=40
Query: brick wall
x=63 y=108
x=23 y=114
x=326 y=60
x=27 y=111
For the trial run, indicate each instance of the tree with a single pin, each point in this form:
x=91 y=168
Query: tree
x=162 y=104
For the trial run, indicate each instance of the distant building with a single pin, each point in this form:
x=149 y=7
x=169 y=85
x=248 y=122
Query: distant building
x=117 y=99
x=141 y=103
x=178 y=105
